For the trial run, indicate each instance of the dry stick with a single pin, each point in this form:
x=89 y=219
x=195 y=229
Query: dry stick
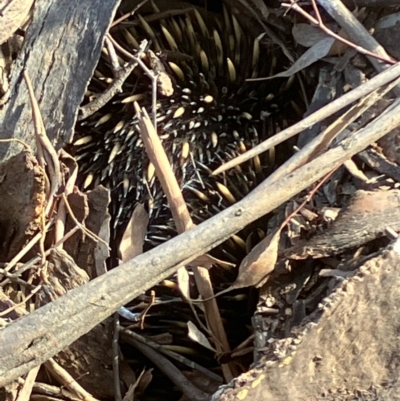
x=26 y=266
x=46 y=152
x=249 y=341
x=183 y=223
x=53 y=164
x=26 y=390
x=383 y=78
x=59 y=225
x=52 y=179
x=128 y=334
x=120 y=77
x=25 y=145
x=308 y=197
x=65 y=379
x=115 y=361
x=92 y=107
x=6 y=7
x=68 y=235
x=174 y=374
x=143 y=46
x=116 y=68
x=36 y=337
x=382 y=56
x=48 y=390
x=157 y=156
x=322 y=142
x=153 y=75
x=15 y=306
x=27 y=248
x=89 y=233
x=14 y=279
x=146 y=309
x=356 y=31
x=116 y=85
x=127 y=15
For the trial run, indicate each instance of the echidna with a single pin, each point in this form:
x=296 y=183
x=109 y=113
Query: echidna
x=212 y=116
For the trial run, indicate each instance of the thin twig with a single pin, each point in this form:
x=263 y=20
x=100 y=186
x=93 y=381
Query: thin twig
x=146 y=309
x=89 y=233
x=130 y=56
x=6 y=7
x=294 y=6
x=26 y=248
x=14 y=279
x=151 y=73
x=11 y=308
x=66 y=380
x=115 y=363
x=89 y=109
x=127 y=334
x=120 y=76
x=51 y=328
x=172 y=372
x=68 y=235
x=24 y=144
x=116 y=68
x=374 y=83
x=59 y=225
x=322 y=142
x=127 y=15
x=26 y=390
x=308 y=198
x=356 y=31
x=154 y=78
x=53 y=163
x=28 y=265
x=183 y=222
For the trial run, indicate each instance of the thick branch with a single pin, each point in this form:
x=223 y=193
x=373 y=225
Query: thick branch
x=38 y=336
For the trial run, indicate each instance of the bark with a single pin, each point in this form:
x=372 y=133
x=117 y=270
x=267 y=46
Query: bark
x=346 y=350
x=60 y=52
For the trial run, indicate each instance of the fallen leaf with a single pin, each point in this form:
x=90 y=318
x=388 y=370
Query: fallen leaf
x=313 y=54
x=259 y=262
x=183 y=282
x=138 y=388
x=134 y=235
x=196 y=335
x=307 y=35
x=127 y=375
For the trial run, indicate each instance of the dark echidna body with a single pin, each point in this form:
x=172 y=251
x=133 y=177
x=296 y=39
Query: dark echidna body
x=212 y=116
